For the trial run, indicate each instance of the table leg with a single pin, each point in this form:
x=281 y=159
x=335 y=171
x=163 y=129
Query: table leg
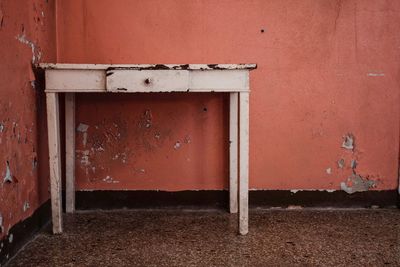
x=70 y=152
x=243 y=162
x=53 y=127
x=233 y=152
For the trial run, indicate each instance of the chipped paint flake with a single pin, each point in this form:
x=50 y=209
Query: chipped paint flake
x=356 y=183
x=82 y=127
x=26 y=206
x=341 y=163
x=84 y=155
x=1 y=127
x=348 y=142
x=8 y=176
x=329 y=170
x=177 y=145
x=36 y=54
x=110 y=180
x=10 y=238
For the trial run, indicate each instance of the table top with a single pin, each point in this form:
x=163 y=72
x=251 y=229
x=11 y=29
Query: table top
x=69 y=66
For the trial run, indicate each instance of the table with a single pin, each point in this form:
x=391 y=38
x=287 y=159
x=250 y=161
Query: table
x=78 y=78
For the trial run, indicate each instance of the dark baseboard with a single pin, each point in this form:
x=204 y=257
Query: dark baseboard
x=24 y=231
x=323 y=199
x=86 y=200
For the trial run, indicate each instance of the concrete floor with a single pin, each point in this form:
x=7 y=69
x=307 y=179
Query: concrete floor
x=208 y=238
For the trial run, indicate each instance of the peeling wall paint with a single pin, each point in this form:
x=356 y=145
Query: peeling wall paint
x=311 y=88
x=356 y=183
x=7 y=176
x=348 y=142
x=36 y=53
x=24 y=41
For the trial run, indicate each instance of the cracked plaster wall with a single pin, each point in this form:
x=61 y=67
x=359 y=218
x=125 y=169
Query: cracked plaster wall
x=326 y=69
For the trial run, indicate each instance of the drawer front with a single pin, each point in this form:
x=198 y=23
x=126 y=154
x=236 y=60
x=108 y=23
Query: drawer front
x=75 y=80
x=147 y=80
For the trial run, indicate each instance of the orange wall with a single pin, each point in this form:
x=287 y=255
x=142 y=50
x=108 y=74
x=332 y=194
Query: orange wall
x=325 y=69
x=27 y=34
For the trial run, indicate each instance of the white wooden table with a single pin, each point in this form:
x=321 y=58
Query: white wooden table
x=77 y=78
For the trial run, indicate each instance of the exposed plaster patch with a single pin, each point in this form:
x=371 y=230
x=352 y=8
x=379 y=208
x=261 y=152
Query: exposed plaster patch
x=356 y=183
x=26 y=206
x=84 y=157
x=177 y=145
x=83 y=129
x=329 y=171
x=157 y=135
x=348 y=142
x=341 y=163
x=36 y=54
x=1 y=127
x=7 y=177
x=110 y=180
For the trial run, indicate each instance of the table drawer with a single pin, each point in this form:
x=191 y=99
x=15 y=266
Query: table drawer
x=126 y=80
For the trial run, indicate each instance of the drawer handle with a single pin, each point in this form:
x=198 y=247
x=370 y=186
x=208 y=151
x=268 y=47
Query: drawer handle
x=147 y=81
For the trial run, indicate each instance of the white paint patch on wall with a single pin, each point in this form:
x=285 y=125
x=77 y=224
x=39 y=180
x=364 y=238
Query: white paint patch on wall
x=83 y=129
x=371 y=74
x=8 y=177
x=26 y=206
x=329 y=170
x=36 y=55
x=110 y=180
x=177 y=145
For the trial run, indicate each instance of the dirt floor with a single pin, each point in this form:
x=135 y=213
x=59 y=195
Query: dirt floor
x=209 y=238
